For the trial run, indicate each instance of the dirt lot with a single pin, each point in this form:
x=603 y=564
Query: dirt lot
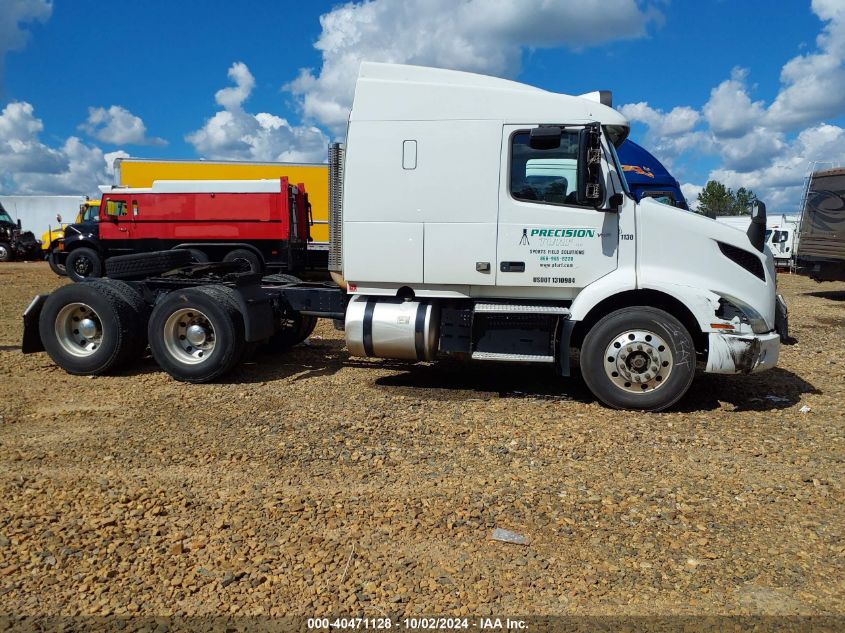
x=314 y=483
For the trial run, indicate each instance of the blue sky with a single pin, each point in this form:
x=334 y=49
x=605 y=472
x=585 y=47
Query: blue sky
x=747 y=92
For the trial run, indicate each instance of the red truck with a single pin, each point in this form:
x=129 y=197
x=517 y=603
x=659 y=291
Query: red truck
x=261 y=224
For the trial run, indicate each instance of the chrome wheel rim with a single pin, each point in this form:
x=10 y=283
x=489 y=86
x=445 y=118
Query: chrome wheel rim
x=4 y=253
x=79 y=329
x=189 y=336
x=638 y=361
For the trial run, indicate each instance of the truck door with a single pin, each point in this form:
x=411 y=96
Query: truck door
x=545 y=238
x=116 y=226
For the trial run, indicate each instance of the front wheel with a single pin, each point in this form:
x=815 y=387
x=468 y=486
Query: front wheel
x=638 y=358
x=83 y=263
x=5 y=252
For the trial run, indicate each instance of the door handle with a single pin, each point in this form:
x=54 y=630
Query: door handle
x=482 y=267
x=121 y=228
x=512 y=267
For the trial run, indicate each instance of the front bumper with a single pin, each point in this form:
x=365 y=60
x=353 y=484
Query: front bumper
x=742 y=353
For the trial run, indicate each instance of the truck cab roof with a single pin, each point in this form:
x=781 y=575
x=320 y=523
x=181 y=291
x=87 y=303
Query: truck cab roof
x=396 y=92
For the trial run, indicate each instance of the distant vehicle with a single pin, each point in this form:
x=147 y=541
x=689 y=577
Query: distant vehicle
x=781 y=234
x=259 y=223
x=821 y=243
x=15 y=243
x=647 y=177
x=142 y=172
x=85 y=221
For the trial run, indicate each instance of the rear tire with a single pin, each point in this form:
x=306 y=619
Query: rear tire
x=195 y=336
x=638 y=358
x=248 y=260
x=89 y=328
x=83 y=263
x=295 y=328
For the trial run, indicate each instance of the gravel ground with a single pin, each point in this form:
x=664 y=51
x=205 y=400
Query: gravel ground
x=317 y=484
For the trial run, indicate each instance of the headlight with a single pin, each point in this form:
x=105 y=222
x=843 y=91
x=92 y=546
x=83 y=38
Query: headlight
x=730 y=308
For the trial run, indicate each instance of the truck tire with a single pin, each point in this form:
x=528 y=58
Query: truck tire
x=197 y=256
x=249 y=261
x=194 y=336
x=138 y=343
x=83 y=263
x=5 y=252
x=55 y=266
x=638 y=358
x=294 y=329
x=89 y=328
x=141 y=265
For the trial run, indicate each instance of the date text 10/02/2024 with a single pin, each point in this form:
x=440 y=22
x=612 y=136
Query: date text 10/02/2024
x=416 y=624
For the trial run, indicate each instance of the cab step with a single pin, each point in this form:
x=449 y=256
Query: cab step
x=484 y=307
x=514 y=358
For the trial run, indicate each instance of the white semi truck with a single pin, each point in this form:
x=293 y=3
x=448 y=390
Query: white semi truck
x=471 y=217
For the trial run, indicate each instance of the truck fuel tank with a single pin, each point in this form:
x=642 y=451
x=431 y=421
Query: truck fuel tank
x=388 y=327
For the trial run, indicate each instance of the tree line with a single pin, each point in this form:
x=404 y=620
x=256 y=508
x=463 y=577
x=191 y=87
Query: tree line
x=716 y=199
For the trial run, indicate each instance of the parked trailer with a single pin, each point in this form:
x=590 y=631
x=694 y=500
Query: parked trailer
x=821 y=244
x=260 y=223
x=492 y=266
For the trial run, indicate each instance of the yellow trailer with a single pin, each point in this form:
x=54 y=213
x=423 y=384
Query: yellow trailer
x=141 y=172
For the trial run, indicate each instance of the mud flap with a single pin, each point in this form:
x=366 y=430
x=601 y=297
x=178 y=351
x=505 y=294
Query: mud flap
x=31 y=337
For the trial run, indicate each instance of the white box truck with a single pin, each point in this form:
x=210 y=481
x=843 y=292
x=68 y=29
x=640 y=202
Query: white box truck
x=471 y=217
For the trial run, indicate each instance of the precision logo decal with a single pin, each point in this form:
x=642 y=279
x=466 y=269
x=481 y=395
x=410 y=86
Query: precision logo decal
x=562 y=232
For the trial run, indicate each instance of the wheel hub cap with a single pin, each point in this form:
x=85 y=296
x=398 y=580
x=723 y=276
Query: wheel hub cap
x=79 y=329
x=189 y=336
x=638 y=361
x=88 y=328
x=196 y=334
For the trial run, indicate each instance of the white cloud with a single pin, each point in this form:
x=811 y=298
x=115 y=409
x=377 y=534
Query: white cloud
x=14 y=14
x=473 y=35
x=691 y=192
x=780 y=181
x=730 y=111
x=27 y=165
x=118 y=126
x=235 y=134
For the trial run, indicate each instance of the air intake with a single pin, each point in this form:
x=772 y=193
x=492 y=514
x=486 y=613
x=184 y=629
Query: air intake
x=336 y=153
x=749 y=261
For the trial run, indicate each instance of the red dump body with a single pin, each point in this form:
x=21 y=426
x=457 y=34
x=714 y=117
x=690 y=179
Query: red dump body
x=270 y=217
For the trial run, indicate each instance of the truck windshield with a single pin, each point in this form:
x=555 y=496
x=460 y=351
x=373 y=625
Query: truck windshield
x=4 y=217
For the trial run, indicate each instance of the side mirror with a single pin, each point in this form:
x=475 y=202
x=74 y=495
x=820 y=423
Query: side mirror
x=757 y=229
x=589 y=187
x=59 y=218
x=20 y=226
x=544 y=137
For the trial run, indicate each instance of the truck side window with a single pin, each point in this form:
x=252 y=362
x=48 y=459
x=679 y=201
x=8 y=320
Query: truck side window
x=134 y=208
x=116 y=208
x=544 y=175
